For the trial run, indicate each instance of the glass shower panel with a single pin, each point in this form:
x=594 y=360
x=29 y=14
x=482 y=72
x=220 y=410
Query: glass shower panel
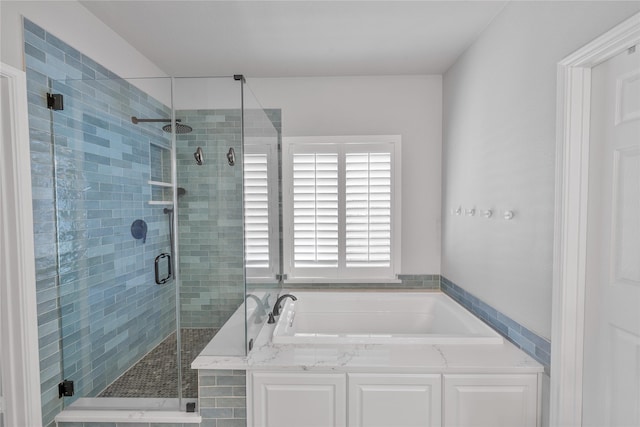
x=262 y=221
x=209 y=207
x=113 y=188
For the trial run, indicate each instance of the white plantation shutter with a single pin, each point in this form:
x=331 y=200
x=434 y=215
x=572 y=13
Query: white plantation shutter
x=256 y=211
x=315 y=210
x=339 y=208
x=261 y=240
x=368 y=209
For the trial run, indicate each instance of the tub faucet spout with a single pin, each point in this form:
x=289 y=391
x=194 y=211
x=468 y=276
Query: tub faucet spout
x=276 y=306
x=260 y=309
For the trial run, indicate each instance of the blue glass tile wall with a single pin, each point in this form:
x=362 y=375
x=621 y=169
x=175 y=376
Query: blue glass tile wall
x=210 y=213
x=98 y=304
x=222 y=398
x=532 y=344
x=210 y=218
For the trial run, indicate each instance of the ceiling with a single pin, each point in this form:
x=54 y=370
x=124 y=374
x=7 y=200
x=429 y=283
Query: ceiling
x=298 y=38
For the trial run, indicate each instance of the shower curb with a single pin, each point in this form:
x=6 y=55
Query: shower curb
x=90 y=410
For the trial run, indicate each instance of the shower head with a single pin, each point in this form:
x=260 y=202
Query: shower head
x=180 y=128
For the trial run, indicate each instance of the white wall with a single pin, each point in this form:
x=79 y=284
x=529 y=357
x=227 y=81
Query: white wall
x=499 y=152
x=76 y=26
x=410 y=106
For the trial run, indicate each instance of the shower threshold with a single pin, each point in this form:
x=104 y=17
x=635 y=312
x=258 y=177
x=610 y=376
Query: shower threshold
x=129 y=410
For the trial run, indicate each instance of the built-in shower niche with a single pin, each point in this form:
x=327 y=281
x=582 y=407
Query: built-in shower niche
x=160 y=173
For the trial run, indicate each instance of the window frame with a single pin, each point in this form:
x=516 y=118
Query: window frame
x=341 y=145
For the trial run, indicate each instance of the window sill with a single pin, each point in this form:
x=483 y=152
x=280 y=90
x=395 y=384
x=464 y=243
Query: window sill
x=305 y=280
x=261 y=280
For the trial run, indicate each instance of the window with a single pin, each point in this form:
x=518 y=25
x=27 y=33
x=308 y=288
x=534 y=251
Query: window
x=341 y=208
x=261 y=236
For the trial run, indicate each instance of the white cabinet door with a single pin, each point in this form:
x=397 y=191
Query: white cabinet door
x=394 y=400
x=490 y=400
x=299 y=400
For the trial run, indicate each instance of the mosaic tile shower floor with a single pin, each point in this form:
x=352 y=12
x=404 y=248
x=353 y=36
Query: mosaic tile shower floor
x=155 y=375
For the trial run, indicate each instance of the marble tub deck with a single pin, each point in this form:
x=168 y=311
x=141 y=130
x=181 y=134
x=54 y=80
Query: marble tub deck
x=464 y=358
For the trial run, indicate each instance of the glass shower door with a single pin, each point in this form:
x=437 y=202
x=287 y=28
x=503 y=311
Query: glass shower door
x=150 y=221
x=112 y=180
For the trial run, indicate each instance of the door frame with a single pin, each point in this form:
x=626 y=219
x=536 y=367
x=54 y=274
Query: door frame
x=570 y=235
x=18 y=310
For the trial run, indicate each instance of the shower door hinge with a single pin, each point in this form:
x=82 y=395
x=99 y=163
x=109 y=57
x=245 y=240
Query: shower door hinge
x=281 y=277
x=55 y=101
x=239 y=77
x=65 y=388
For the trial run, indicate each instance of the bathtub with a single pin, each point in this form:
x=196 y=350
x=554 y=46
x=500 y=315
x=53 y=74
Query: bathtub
x=345 y=317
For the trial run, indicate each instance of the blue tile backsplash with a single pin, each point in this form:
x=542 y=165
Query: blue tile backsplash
x=532 y=344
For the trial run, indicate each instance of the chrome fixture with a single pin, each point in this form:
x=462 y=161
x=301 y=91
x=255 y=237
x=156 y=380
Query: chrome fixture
x=231 y=157
x=199 y=156
x=276 y=307
x=508 y=215
x=180 y=128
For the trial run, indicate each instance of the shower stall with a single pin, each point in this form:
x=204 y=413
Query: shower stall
x=153 y=199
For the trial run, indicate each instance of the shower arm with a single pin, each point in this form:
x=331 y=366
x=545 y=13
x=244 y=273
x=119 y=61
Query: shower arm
x=136 y=120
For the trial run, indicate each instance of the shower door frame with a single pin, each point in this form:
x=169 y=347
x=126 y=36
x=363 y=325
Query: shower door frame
x=19 y=346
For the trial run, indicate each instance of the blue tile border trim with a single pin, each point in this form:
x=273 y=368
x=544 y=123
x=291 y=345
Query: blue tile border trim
x=534 y=345
x=408 y=281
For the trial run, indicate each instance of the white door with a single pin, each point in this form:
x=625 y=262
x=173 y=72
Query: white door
x=394 y=400
x=611 y=370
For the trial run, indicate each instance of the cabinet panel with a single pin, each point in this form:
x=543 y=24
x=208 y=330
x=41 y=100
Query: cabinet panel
x=299 y=400
x=490 y=400
x=393 y=400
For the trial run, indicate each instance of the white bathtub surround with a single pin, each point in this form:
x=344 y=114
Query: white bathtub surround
x=495 y=356
x=440 y=377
